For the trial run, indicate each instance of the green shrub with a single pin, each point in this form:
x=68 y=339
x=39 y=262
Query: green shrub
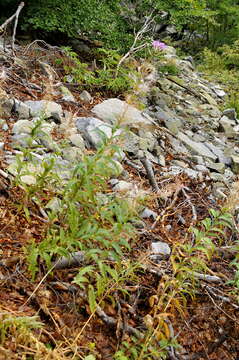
x=105 y=77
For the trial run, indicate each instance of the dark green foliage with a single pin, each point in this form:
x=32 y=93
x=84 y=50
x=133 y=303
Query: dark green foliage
x=114 y=22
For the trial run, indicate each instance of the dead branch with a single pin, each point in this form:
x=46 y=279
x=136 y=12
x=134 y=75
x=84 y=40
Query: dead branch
x=74 y=259
x=225 y=299
x=189 y=90
x=208 y=278
x=14 y=16
x=138 y=37
x=111 y=322
x=150 y=173
x=190 y=203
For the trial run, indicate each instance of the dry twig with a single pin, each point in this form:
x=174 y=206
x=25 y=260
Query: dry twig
x=9 y=20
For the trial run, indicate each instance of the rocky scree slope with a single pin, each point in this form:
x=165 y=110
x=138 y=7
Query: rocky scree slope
x=182 y=134
x=182 y=118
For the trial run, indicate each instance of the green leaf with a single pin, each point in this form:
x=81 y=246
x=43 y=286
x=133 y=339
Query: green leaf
x=91 y=298
x=90 y=357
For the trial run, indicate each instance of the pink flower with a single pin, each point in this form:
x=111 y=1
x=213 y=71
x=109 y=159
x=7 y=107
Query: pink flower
x=158 y=45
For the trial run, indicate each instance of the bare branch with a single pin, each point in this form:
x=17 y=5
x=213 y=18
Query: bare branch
x=138 y=37
x=14 y=16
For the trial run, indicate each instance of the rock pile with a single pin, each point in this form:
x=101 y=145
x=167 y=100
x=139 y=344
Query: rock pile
x=182 y=117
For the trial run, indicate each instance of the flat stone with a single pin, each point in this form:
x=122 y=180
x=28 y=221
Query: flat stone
x=220 y=93
x=195 y=147
x=22 y=140
x=201 y=168
x=132 y=143
x=123 y=186
x=219 y=167
x=46 y=109
x=118 y=113
x=209 y=98
x=197 y=159
x=28 y=179
x=219 y=153
x=173 y=125
x=216 y=176
x=161 y=249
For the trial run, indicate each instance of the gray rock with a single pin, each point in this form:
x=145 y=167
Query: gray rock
x=201 y=168
x=219 y=167
x=235 y=164
x=72 y=154
x=148 y=214
x=195 y=147
x=226 y=125
x=132 y=143
x=123 y=186
x=198 y=138
x=176 y=170
x=118 y=112
x=22 y=140
x=230 y=114
x=66 y=94
x=173 y=125
x=219 y=153
x=161 y=249
x=93 y=130
x=49 y=143
x=46 y=109
x=47 y=70
x=192 y=174
x=220 y=93
x=23 y=111
x=28 y=179
x=6 y=106
x=78 y=141
x=197 y=159
x=116 y=167
x=22 y=127
x=179 y=147
x=86 y=97
x=54 y=204
x=216 y=176
x=5 y=127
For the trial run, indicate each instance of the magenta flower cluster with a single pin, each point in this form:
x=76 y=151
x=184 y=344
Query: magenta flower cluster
x=158 y=45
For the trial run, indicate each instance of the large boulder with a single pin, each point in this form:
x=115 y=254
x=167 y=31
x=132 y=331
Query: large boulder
x=118 y=113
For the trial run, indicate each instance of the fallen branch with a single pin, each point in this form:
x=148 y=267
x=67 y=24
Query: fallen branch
x=150 y=173
x=74 y=259
x=191 y=91
x=208 y=278
x=225 y=299
x=190 y=203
